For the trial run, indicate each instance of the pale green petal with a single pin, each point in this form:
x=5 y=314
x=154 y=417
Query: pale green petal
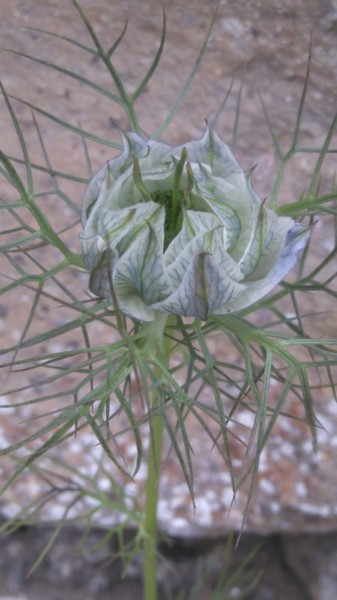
x=141 y=269
x=101 y=275
x=263 y=239
x=245 y=205
x=132 y=144
x=92 y=248
x=274 y=240
x=92 y=193
x=297 y=238
x=155 y=155
x=147 y=213
x=159 y=179
x=210 y=150
x=194 y=223
x=205 y=197
x=113 y=226
x=125 y=192
x=203 y=289
x=134 y=307
x=209 y=241
x=122 y=232
x=237 y=207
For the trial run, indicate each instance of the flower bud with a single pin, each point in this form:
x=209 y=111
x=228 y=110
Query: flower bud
x=181 y=230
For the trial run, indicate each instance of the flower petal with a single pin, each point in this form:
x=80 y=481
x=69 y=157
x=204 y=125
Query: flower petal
x=296 y=239
x=208 y=239
x=203 y=289
x=141 y=269
x=194 y=223
x=210 y=150
x=132 y=144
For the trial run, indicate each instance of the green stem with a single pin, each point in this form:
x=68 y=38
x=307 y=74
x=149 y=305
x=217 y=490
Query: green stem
x=154 y=343
x=150 y=519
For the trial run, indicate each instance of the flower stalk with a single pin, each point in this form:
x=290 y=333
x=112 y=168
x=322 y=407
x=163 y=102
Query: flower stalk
x=150 y=526
x=158 y=346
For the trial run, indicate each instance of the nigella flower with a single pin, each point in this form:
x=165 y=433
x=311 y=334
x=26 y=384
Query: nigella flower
x=181 y=230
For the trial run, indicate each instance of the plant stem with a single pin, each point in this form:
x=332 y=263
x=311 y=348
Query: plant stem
x=155 y=344
x=150 y=519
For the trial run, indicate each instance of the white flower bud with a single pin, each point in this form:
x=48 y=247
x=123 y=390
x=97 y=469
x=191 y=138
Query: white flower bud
x=181 y=230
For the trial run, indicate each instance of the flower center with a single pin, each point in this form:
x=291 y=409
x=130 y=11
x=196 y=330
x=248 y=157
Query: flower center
x=173 y=222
